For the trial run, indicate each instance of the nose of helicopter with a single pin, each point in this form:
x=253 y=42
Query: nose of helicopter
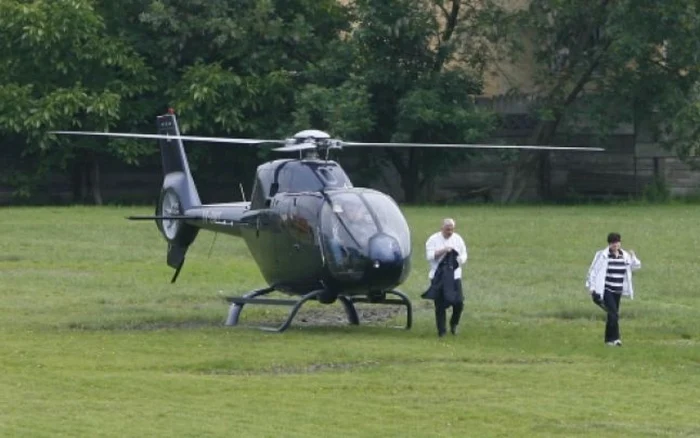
x=386 y=262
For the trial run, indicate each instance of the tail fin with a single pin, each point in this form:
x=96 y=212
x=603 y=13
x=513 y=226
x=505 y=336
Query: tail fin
x=178 y=194
x=176 y=169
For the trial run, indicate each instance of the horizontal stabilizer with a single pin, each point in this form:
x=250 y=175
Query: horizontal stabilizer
x=150 y=218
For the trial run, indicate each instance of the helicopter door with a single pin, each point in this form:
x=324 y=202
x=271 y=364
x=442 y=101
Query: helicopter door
x=302 y=245
x=284 y=243
x=262 y=236
x=296 y=243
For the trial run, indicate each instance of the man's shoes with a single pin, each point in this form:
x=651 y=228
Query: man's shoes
x=615 y=343
x=441 y=334
x=453 y=329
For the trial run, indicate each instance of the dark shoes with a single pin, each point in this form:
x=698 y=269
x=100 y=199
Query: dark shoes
x=453 y=330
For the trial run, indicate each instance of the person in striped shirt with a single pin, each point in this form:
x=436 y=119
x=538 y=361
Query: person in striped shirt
x=610 y=278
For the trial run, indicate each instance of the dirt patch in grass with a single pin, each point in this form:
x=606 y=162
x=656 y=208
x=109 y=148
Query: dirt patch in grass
x=334 y=316
x=312 y=316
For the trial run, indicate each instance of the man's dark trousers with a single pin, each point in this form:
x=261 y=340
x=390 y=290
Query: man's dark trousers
x=441 y=310
x=612 y=307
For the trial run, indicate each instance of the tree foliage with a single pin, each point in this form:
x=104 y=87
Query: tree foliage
x=420 y=63
x=239 y=64
x=237 y=68
x=60 y=71
x=367 y=70
x=606 y=62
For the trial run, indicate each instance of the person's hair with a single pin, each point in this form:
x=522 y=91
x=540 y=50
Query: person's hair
x=448 y=221
x=614 y=237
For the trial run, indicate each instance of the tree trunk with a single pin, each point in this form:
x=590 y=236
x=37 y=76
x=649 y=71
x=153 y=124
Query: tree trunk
x=544 y=134
x=95 y=179
x=410 y=178
x=85 y=179
x=545 y=130
x=544 y=176
x=532 y=163
x=79 y=180
x=517 y=175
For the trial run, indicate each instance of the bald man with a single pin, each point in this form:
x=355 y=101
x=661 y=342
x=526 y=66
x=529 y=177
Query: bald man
x=446 y=253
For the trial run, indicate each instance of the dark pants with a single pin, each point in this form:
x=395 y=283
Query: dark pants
x=611 y=305
x=441 y=311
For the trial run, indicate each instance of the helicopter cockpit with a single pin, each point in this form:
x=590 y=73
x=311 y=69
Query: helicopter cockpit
x=295 y=176
x=365 y=237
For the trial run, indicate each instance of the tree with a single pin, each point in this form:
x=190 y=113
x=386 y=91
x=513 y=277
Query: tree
x=235 y=68
x=60 y=71
x=414 y=67
x=607 y=62
x=423 y=62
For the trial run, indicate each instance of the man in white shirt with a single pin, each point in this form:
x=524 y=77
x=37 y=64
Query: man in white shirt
x=441 y=245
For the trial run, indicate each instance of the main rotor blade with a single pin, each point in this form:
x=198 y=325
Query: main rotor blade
x=295 y=147
x=171 y=137
x=476 y=146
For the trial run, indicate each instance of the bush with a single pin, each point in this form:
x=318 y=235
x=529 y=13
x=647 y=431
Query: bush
x=657 y=192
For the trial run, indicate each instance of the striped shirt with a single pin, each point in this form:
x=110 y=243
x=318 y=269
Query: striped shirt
x=615 y=275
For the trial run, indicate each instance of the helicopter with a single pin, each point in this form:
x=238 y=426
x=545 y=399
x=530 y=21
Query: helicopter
x=312 y=234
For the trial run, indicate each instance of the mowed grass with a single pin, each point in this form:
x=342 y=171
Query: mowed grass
x=95 y=341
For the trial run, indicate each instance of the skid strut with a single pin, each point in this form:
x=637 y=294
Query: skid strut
x=348 y=303
x=402 y=300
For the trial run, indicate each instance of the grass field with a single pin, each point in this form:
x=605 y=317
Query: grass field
x=94 y=341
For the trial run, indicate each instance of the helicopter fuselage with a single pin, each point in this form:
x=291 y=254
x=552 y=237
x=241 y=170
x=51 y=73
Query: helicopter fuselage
x=308 y=228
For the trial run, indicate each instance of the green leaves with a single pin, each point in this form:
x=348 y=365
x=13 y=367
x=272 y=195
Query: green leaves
x=345 y=111
x=61 y=70
x=411 y=59
x=211 y=98
x=621 y=57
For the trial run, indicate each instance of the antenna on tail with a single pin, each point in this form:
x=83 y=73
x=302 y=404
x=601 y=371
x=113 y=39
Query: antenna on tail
x=240 y=185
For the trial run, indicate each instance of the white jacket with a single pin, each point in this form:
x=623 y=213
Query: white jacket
x=437 y=242
x=596 y=273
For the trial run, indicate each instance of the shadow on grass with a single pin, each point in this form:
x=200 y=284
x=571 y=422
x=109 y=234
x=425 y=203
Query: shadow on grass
x=10 y=258
x=143 y=325
x=224 y=368
x=593 y=314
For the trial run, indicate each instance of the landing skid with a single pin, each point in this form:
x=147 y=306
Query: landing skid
x=348 y=303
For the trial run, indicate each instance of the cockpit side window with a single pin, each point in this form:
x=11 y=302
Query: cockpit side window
x=261 y=188
x=285 y=179
x=299 y=178
x=333 y=176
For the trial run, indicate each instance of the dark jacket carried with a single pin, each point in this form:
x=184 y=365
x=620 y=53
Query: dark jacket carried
x=444 y=285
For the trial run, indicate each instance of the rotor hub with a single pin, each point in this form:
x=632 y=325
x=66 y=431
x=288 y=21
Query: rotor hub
x=310 y=134
x=310 y=140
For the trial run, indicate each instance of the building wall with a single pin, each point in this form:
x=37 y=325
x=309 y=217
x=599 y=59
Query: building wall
x=508 y=72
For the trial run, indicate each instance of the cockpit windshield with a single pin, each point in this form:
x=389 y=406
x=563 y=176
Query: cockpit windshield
x=350 y=219
x=347 y=219
x=390 y=219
